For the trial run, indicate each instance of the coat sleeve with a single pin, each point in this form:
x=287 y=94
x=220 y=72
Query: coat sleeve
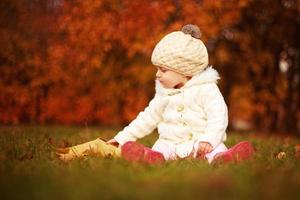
x=215 y=108
x=144 y=123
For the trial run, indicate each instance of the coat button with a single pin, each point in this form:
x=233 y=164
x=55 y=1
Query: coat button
x=180 y=108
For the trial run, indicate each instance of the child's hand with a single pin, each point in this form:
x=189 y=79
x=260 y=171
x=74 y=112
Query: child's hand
x=203 y=148
x=113 y=142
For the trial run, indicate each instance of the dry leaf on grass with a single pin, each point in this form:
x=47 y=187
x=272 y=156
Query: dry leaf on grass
x=281 y=155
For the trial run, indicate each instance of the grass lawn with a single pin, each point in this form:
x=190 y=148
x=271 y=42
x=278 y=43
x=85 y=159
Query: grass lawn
x=29 y=169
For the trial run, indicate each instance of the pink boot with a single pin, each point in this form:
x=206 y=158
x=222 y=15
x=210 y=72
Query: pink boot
x=136 y=152
x=132 y=151
x=241 y=151
x=153 y=157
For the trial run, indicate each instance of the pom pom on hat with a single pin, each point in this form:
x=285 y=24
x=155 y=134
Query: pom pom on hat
x=192 y=30
x=182 y=51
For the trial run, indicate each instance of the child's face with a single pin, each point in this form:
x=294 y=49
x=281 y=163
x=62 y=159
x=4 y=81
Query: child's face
x=169 y=78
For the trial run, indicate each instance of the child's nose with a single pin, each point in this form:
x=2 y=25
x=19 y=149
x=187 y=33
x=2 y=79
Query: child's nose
x=158 y=74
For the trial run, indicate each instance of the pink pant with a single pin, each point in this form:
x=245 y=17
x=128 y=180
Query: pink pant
x=169 y=151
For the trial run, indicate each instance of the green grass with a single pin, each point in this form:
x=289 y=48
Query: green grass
x=30 y=170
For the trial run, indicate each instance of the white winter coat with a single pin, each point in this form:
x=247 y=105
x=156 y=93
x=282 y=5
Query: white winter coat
x=184 y=117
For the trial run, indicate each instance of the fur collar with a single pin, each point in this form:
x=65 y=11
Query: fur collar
x=209 y=75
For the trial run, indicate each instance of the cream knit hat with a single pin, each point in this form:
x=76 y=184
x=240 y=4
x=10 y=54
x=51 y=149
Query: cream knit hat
x=181 y=51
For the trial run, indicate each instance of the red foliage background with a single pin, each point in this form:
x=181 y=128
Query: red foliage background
x=76 y=62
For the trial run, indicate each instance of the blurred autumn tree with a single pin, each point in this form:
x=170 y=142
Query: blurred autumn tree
x=262 y=51
x=75 y=62
x=26 y=28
